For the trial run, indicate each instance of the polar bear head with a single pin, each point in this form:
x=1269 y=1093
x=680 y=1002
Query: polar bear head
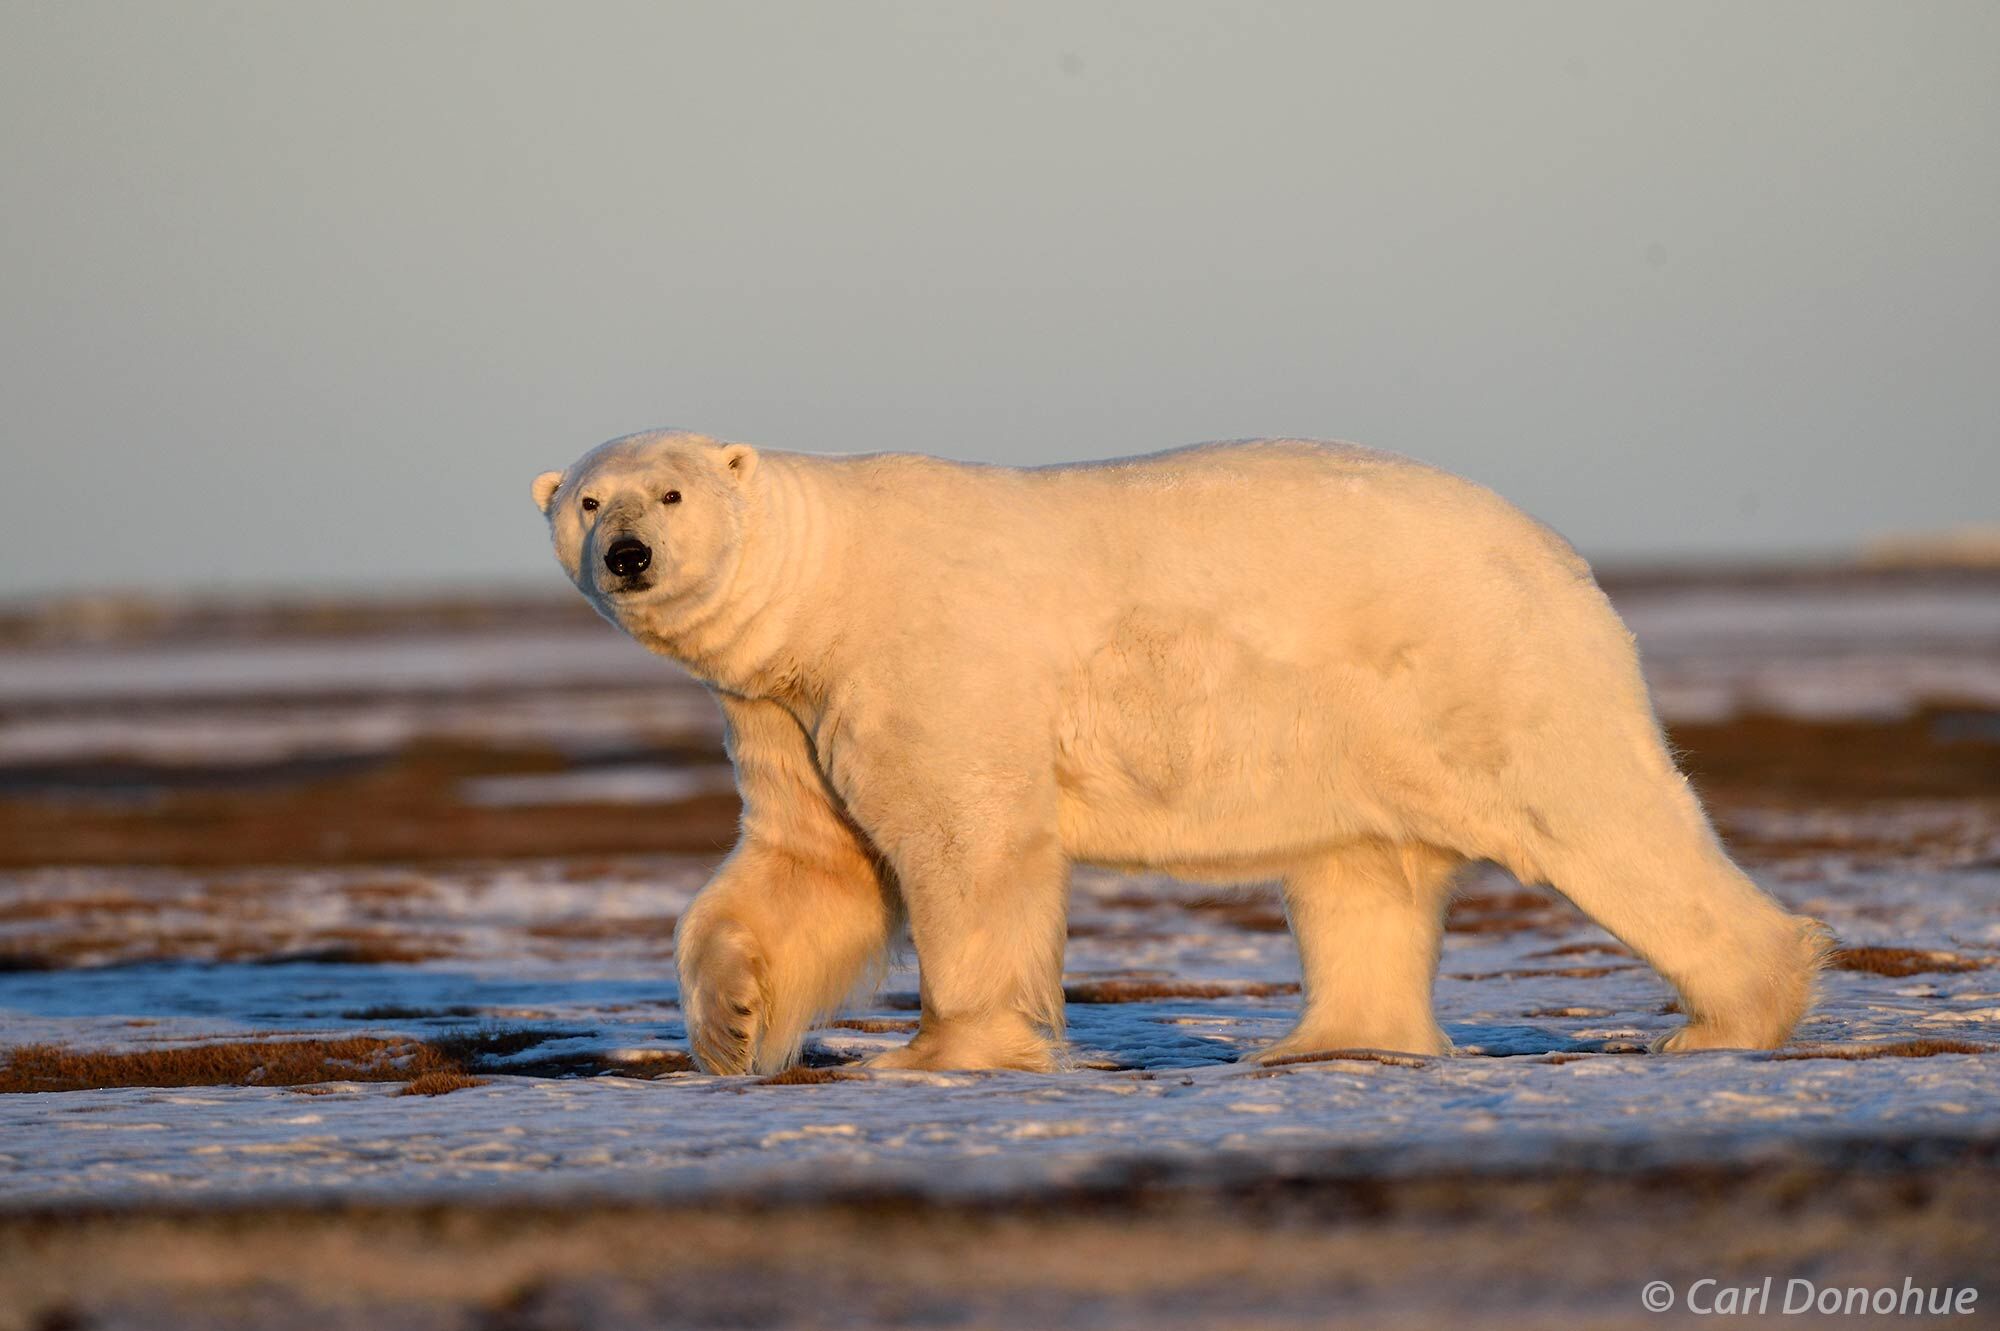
x=650 y=520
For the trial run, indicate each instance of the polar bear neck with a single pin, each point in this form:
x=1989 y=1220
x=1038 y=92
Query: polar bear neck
x=747 y=632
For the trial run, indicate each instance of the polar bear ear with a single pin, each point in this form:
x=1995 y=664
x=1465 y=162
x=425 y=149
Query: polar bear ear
x=739 y=460
x=545 y=488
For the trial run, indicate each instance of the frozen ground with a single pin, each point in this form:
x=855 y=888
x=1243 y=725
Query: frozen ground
x=568 y=951
x=1523 y=979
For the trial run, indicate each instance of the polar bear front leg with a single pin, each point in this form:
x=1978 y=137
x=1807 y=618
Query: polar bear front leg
x=725 y=985
x=794 y=920
x=984 y=883
x=989 y=944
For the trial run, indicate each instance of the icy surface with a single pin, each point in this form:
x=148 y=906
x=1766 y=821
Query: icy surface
x=1549 y=1014
x=1713 y=653
x=1156 y=1079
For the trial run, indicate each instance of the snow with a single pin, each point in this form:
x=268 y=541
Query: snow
x=958 y=1134
x=582 y=952
x=1825 y=653
x=1155 y=1079
x=624 y=783
x=456 y=661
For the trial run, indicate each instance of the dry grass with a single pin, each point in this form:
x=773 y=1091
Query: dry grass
x=1131 y=901
x=1083 y=928
x=47 y=1067
x=353 y=947
x=1932 y=754
x=1519 y=911
x=1548 y=973
x=296 y=1063
x=805 y=1076
x=1897 y=1049
x=1144 y=991
x=61 y=951
x=1350 y=1056
x=95 y=620
x=658 y=928
x=648 y=1065
x=386 y=891
x=69 y=908
x=259 y=920
x=18 y=961
x=1900 y=961
x=256 y=941
x=644 y=1067
x=403 y=807
x=468 y=1047
x=440 y=1083
x=1586 y=950
x=1489 y=903
x=1252 y=916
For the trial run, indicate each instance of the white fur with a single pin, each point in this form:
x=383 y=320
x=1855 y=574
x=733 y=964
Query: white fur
x=1238 y=662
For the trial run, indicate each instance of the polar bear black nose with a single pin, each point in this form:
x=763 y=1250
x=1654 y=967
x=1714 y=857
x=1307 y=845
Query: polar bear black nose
x=628 y=556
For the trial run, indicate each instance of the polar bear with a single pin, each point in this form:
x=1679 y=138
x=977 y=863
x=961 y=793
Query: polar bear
x=1317 y=663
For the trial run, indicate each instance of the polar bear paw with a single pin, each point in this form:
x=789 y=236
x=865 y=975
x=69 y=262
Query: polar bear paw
x=996 y=1044
x=1760 y=996
x=1427 y=1040
x=1699 y=1035
x=723 y=999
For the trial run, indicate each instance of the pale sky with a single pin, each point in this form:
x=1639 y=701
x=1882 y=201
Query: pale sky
x=305 y=294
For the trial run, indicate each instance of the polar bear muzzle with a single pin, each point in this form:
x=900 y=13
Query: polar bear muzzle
x=628 y=557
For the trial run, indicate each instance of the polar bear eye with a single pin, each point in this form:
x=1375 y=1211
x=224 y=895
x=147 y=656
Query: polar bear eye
x=671 y=497
x=590 y=505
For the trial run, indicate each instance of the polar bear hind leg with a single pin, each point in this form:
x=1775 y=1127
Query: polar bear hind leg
x=1368 y=918
x=1650 y=870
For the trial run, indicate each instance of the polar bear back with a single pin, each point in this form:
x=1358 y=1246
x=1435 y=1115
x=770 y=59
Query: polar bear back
x=1233 y=648
x=1280 y=537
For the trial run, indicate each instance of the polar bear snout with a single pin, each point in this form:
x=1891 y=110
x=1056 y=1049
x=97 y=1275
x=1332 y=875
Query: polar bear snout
x=628 y=557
